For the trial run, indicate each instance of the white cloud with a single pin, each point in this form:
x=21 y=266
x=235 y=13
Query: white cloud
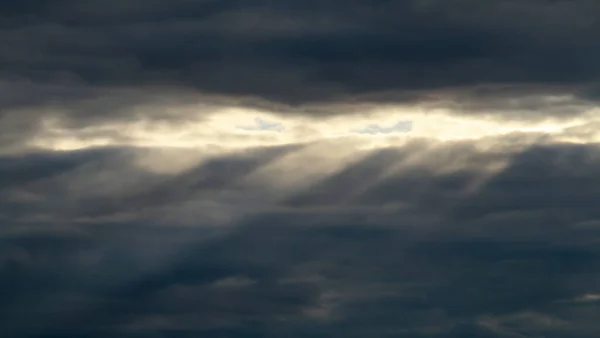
x=263 y=125
x=221 y=129
x=399 y=127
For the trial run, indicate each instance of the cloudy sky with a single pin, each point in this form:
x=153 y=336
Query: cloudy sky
x=299 y=168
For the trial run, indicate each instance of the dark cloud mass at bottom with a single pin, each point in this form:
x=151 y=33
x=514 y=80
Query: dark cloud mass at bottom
x=438 y=247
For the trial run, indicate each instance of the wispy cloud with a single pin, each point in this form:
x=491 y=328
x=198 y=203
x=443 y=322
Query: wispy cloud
x=263 y=125
x=399 y=127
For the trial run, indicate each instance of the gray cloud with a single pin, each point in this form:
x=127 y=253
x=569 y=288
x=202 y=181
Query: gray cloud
x=411 y=252
x=485 y=238
x=310 y=51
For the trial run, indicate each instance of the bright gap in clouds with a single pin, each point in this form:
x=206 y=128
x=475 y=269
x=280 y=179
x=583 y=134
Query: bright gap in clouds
x=238 y=128
x=328 y=145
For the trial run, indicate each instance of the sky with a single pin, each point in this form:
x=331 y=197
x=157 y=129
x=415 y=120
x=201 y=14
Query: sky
x=300 y=168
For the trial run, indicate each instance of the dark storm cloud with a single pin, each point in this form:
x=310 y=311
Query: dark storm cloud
x=415 y=252
x=420 y=241
x=308 y=51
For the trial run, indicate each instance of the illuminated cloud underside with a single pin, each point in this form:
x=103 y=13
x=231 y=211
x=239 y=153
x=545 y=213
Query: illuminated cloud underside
x=240 y=128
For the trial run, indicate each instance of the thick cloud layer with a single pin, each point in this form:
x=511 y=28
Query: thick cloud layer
x=428 y=240
x=299 y=52
x=204 y=168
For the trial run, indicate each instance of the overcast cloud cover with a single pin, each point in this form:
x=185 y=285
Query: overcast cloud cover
x=236 y=168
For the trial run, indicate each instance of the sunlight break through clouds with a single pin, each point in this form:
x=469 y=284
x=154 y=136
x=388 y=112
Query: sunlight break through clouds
x=262 y=125
x=230 y=129
x=299 y=168
x=399 y=127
